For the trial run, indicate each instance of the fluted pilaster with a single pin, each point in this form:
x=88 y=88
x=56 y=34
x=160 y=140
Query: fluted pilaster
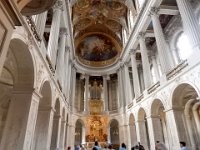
x=163 y=48
x=61 y=55
x=136 y=83
x=105 y=88
x=145 y=61
x=128 y=91
x=86 y=92
x=54 y=32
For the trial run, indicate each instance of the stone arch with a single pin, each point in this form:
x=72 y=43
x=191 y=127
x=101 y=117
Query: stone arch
x=46 y=92
x=141 y=114
x=183 y=91
x=184 y=98
x=79 y=132
x=25 y=67
x=132 y=128
x=143 y=134
x=16 y=88
x=114 y=133
x=42 y=130
x=155 y=106
x=161 y=132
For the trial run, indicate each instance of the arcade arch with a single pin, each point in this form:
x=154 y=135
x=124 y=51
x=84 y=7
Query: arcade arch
x=114 y=133
x=186 y=113
x=44 y=119
x=17 y=97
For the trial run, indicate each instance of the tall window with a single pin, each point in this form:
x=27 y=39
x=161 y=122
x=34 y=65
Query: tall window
x=184 y=47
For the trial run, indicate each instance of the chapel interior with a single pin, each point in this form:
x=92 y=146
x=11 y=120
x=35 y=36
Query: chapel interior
x=73 y=72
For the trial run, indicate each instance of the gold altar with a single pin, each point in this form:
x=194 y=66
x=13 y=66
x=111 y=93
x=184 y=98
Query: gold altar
x=97 y=123
x=96 y=128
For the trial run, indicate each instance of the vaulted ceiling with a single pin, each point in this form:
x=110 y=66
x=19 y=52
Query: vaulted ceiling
x=98 y=26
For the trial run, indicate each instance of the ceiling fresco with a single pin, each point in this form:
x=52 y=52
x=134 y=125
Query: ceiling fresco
x=97 y=50
x=98 y=26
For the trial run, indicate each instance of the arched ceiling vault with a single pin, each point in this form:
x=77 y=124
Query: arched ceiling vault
x=98 y=27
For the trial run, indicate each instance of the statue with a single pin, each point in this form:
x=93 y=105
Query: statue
x=95 y=91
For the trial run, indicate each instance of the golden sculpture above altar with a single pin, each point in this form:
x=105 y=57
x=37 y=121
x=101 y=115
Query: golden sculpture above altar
x=96 y=128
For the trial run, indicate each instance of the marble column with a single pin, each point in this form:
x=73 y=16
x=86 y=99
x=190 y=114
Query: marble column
x=67 y=71
x=145 y=61
x=62 y=134
x=66 y=136
x=136 y=82
x=105 y=91
x=61 y=56
x=108 y=138
x=83 y=136
x=21 y=120
x=128 y=135
x=128 y=91
x=155 y=130
x=71 y=136
x=86 y=93
x=141 y=79
x=190 y=130
x=190 y=22
x=121 y=88
x=43 y=130
x=54 y=33
x=55 y=137
x=133 y=134
x=155 y=68
x=141 y=133
x=73 y=87
x=175 y=127
x=162 y=46
x=197 y=117
x=40 y=23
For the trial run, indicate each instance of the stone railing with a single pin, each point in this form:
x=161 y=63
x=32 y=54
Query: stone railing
x=153 y=87
x=33 y=28
x=140 y=98
x=177 y=69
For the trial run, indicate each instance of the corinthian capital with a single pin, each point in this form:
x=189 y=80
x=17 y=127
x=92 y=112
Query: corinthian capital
x=58 y=5
x=154 y=11
x=141 y=35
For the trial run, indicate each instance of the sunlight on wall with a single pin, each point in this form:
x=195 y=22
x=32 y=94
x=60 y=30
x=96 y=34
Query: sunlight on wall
x=184 y=47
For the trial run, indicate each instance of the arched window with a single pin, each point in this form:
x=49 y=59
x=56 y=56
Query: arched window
x=183 y=46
